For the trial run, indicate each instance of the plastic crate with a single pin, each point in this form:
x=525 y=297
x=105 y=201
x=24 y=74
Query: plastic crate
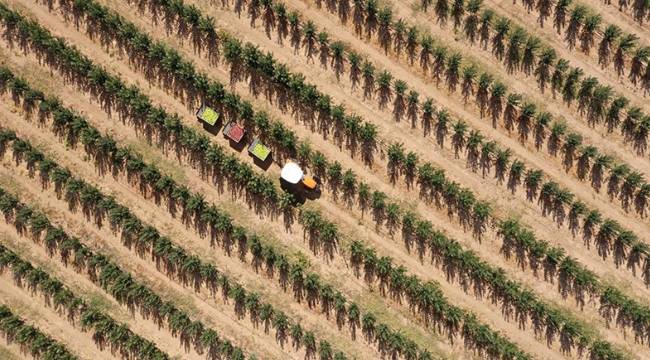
x=234 y=132
x=259 y=150
x=208 y=115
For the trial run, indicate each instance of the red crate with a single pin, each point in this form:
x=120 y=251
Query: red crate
x=234 y=132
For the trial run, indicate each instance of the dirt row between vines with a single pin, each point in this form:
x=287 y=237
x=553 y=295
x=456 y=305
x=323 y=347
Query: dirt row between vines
x=33 y=310
x=608 y=143
x=263 y=227
x=623 y=18
x=293 y=240
x=11 y=351
x=452 y=291
x=80 y=284
x=456 y=168
x=458 y=172
x=612 y=15
x=587 y=61
x=214 y=312
x=392 y=131
x=401 y=132
x=342 y=92
x=526 y=85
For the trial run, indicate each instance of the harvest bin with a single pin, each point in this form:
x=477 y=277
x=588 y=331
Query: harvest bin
x=259 y=150
x=208 y=115
x=234 y=132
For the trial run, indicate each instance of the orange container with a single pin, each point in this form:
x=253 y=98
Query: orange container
x=309 y=183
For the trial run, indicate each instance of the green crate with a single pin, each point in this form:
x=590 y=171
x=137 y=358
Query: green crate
x=259 y=150
x=208 y=115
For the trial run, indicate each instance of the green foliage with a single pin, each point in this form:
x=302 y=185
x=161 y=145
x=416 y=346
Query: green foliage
x=103 y=326
x=368 y=133
x=30 y=338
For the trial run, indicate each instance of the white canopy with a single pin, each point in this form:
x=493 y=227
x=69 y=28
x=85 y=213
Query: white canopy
x=292 y=173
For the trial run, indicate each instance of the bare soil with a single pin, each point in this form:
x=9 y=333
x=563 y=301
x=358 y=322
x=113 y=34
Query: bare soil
x=401 y=132
x=462 y=177
x=84 y=288
x=460 y=172
x=179 y=231
x=608 y=143
x=33 y=310
x=588 y=62
x=216 y=314
x=12 y=351
x=352 y=222
x=612 y=14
